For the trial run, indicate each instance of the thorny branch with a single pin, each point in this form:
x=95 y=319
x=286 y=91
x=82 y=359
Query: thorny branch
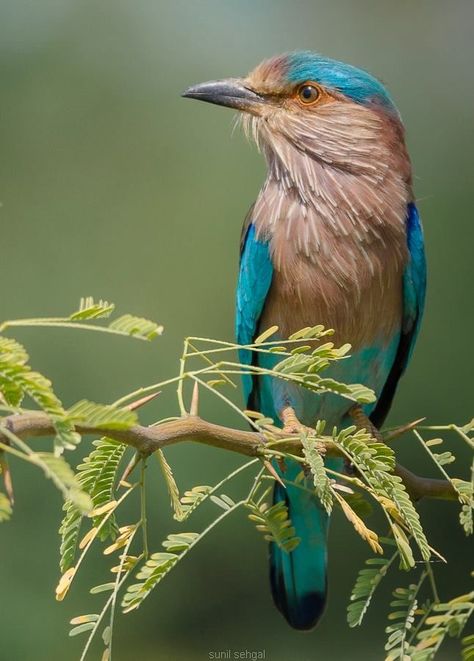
x=147 y=440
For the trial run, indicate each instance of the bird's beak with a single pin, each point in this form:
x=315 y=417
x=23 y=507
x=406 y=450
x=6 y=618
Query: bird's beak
x=231 y=92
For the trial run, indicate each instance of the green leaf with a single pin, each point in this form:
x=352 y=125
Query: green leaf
x=375 y=461
x=447 y=619
x=365 y=586
x=104 y=587
x=321 y=481
x=311 y=333
x=96 y=476
x=18 y=380
x=156 y=568
x=136 y=326
x=5 y=508
x=192 y=499
x=304 y=369
x=466 y=496
x=87 y=626
x=274 y=523
x=359 y=504
x=89 y=309
x=223 y=501
x=467 y=652
x=101 y=416
x=266 y=334
x=406 y=603
x=62 y=475
x=171 y=486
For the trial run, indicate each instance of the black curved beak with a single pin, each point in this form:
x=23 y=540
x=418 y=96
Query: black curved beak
x=230 y=92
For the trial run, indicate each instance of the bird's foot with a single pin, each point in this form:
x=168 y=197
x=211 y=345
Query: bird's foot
x=291 y=425
x=362 y=421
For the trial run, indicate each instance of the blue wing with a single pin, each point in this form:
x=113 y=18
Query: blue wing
x=255 y=277
x=414 y=287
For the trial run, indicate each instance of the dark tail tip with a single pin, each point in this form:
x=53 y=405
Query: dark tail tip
x=303 y=613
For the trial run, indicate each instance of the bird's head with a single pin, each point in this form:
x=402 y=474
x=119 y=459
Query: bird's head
x=301 y=103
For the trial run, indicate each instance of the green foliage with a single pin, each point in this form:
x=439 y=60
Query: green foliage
x=191 y=499
x=18 y=380
x=136 y=326
x=376 y=462
x=172 y=487
x=304 y=368
x=58 y=470
x=156 y=568
x=365 y=586
x=5 y=508
x=96 y=476
x=322 y=484
x=89 y=309
x=444 y=619
x=467 y=652
x=273 y=522
x=466 y=497
x=101 y=416
x=415 y=632
x=405 y=602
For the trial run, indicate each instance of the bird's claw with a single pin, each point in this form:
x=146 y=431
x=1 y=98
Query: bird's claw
x=362 y=421
x=291 y=424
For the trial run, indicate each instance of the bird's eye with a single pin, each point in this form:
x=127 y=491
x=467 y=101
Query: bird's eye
x=308 y=93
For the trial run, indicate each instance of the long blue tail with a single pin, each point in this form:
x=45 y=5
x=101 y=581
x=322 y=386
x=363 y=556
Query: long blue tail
x=299 y=579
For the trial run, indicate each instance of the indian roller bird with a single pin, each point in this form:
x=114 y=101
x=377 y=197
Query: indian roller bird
x=334 y=238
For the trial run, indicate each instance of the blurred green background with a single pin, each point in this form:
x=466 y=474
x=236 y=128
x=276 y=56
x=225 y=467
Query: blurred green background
x=112 y=185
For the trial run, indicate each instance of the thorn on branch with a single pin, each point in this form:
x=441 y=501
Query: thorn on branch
x=147 y=440
x=141 y=402
x=195 y=400
x=273 y=472
x=398 y=431
x=132 y=464
x=7 y=477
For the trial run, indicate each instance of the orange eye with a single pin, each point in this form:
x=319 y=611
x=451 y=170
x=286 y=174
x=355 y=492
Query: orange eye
x=308 y=93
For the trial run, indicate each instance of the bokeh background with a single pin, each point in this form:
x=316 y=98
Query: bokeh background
x=112 y=185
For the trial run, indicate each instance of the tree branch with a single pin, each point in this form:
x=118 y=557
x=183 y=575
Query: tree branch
x=147 y=440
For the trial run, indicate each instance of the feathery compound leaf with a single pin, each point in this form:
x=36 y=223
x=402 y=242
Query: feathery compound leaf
x=17 y=380
x=191 y=499
x=304 y=369
x=312 y=333
x=274 y=523
x=101 y=416
x=466 y=497
x=448 y=619
x=358 y=503
x=321 y=481
x=157 y=566
x=263 y=337
x=467 y=651
x=136 y=326
x=366 y=583
x=96 y=476
x=376 y=462
x=89 y=309
x=444 y=458
x=369 y=535
x=405 y=602
x=171 y=486
x=5 y=508
x=62 y=475
x=223 y=501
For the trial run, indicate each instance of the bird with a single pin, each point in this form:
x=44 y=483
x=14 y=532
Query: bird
x=334 y=237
